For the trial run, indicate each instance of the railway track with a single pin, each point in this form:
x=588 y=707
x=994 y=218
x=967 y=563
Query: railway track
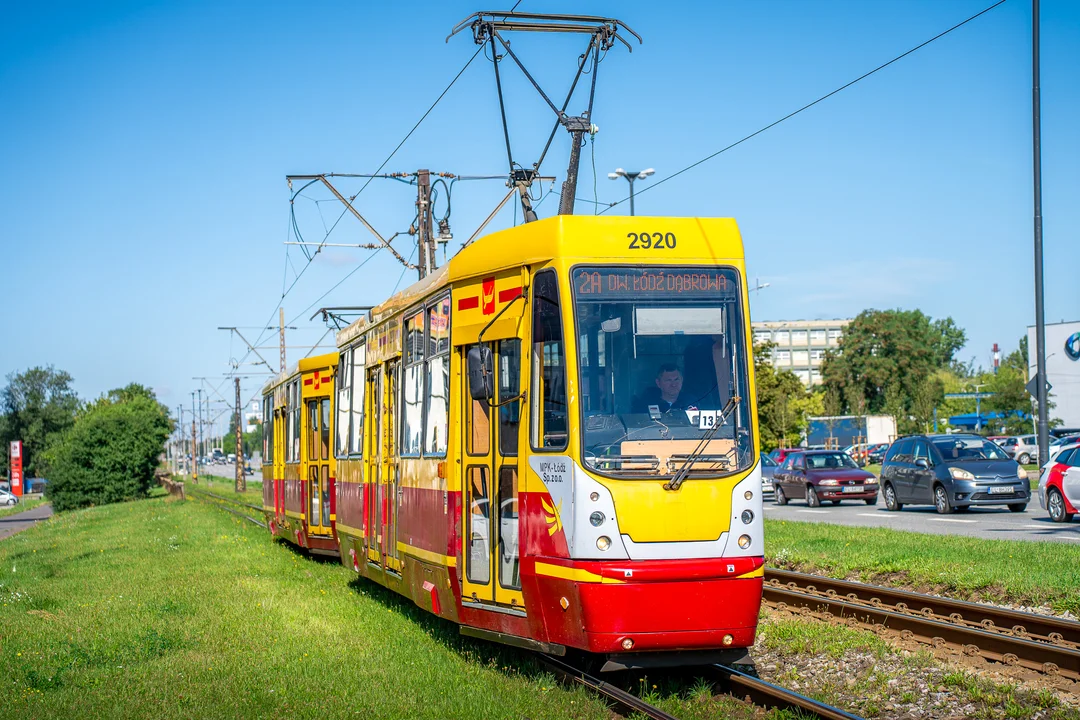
x=219 y=501
x=1036 y=642
x=732 y=681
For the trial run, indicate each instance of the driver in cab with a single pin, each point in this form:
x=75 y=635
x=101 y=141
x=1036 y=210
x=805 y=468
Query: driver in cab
x=667 y=394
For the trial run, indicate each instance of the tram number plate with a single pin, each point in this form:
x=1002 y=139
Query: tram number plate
x=1002 y=490
x=654 y=241
x=706 y=419
x=853 y=488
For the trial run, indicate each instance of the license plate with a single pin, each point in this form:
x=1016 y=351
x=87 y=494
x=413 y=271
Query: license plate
x=1002 y=490
x=854 y=488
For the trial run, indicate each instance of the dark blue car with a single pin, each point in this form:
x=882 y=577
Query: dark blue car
x=952 y=472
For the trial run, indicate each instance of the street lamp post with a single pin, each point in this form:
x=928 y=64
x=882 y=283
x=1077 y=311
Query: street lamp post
x=630 y=177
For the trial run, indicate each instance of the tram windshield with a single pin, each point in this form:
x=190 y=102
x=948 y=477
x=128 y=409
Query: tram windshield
x=662 y=363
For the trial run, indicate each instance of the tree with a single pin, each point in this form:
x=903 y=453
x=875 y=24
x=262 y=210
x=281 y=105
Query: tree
x=882 y=348
x=111 y=451
x=781 y=401
x=37 y=406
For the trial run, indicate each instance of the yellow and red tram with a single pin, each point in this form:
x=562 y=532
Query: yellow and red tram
x=550 y=441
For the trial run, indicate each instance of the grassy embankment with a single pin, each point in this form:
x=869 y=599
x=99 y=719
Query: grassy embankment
x=22 y=506
x=166 y=609
x=1031 y=573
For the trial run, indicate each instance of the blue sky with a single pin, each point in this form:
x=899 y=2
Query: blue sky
x=145 y=148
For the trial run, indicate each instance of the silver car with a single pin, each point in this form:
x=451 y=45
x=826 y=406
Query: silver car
x=768 y=467
x=7 y=498
x=1022 y=448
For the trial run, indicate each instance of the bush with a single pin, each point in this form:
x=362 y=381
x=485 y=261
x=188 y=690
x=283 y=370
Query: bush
x=109 y=455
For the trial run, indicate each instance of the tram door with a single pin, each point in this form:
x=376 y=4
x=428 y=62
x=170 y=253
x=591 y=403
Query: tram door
x=490 y=533
x=317 y=466
x=373 y=460
x=383 y=468
x=279 y=463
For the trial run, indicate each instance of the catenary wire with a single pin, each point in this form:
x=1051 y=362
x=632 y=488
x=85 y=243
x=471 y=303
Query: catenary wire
x=808 y=105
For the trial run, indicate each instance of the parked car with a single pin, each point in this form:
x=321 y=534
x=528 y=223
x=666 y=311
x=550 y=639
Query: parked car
x=1021 y=448
x=1059 y=484
x=952 y=472
x=768 y=467
x=780 y=454
x=858 y=453
x=876 y=453
x=1059 y=444
x=7 y=498
x=819 y=475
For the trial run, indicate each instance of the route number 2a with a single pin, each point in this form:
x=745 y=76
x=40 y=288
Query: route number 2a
x=654 y=241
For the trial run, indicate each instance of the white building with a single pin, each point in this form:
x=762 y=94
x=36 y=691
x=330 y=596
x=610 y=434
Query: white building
x=1062 y=369
x=253 y=413
x=800 y=344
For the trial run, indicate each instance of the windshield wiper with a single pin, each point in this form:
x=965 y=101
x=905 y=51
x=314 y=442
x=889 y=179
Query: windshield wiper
x=677 y=480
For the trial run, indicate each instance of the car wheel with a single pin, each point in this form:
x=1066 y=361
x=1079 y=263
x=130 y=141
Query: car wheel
x=890 y=498
x=941 y=500
x=781 y=498
x=1024 y=459
x=1017 y=507
x=812 y=498
x=871 y=501
x=1056 y=505
x=835 y=502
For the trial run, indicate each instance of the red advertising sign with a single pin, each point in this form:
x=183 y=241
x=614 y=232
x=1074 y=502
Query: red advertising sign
x=16 y=468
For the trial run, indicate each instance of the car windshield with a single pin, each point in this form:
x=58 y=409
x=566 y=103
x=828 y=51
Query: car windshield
x=968 y=448
x=821 y=461
x=767 y=461
x=661 y=356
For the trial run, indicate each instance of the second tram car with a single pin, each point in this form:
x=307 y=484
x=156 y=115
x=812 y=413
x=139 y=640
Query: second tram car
x=549 y=441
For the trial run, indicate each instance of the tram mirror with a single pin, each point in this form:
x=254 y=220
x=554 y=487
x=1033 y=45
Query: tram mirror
x=611 y=325
x=481 y=372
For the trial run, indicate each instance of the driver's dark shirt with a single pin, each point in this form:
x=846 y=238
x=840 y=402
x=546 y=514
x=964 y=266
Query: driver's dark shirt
x=652 y=396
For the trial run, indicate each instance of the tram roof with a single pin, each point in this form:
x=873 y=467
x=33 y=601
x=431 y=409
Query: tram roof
x=599 y=238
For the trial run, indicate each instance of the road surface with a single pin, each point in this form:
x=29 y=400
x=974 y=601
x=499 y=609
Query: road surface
x=12 y=524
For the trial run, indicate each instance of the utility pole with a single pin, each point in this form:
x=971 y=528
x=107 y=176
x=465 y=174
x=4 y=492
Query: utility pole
x=1040 y=321
x=202 y=428
x=241 y=483
x=281 y=337
x=425 y=237
x=194 y=445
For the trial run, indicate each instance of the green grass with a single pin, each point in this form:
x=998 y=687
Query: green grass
x=22 y=506
x=1033 y=573
x=166 y=609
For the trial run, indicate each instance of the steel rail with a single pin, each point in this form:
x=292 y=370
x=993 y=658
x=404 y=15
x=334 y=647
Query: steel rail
x=1054 y=630
x=769 y=696
x=989 y=644
x=219 y=506
x=624 y=703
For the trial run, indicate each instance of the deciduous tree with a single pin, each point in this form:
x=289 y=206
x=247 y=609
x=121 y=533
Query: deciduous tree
x=36 y=406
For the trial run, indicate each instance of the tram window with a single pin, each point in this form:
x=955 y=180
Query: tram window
x=324 y=428
x=325 y=485
x=356 y=432
x=548 y=431
x=268 y=426
x=288 y=423
x=479 y=558
x=344 y=394
x=313 y=430
x=509 y=379
x=438 y=378
x=509 y=563
x=412 y=420
x=478 y=420
x=296 y=420
x=313 y=495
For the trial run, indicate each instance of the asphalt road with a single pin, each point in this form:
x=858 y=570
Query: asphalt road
x=12 y=524
x=988 y=522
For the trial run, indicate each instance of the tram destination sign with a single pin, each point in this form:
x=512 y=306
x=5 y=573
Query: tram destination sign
x=637 y=282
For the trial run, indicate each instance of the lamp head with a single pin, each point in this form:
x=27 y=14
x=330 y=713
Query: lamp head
x=646 y=173
x=613 y=176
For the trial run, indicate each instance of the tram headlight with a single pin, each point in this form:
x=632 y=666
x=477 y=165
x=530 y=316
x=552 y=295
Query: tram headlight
x=747 y=517
x=597 y=519
x=594 y=496
x=603 y=542
x=749 y=495
x=744 y=541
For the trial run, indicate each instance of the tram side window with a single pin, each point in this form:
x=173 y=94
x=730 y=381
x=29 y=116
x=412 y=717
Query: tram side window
x=509 y=379
x=344 y=394
x=268 y=428
x=288 y=423
x=412 y=421
x=548 y=431
x=437 y=398
x=356 y=432
x=294 y=422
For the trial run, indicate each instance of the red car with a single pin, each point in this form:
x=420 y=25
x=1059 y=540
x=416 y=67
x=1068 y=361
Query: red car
x=1059 y=485
x=781 y=454
x=820 y=475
